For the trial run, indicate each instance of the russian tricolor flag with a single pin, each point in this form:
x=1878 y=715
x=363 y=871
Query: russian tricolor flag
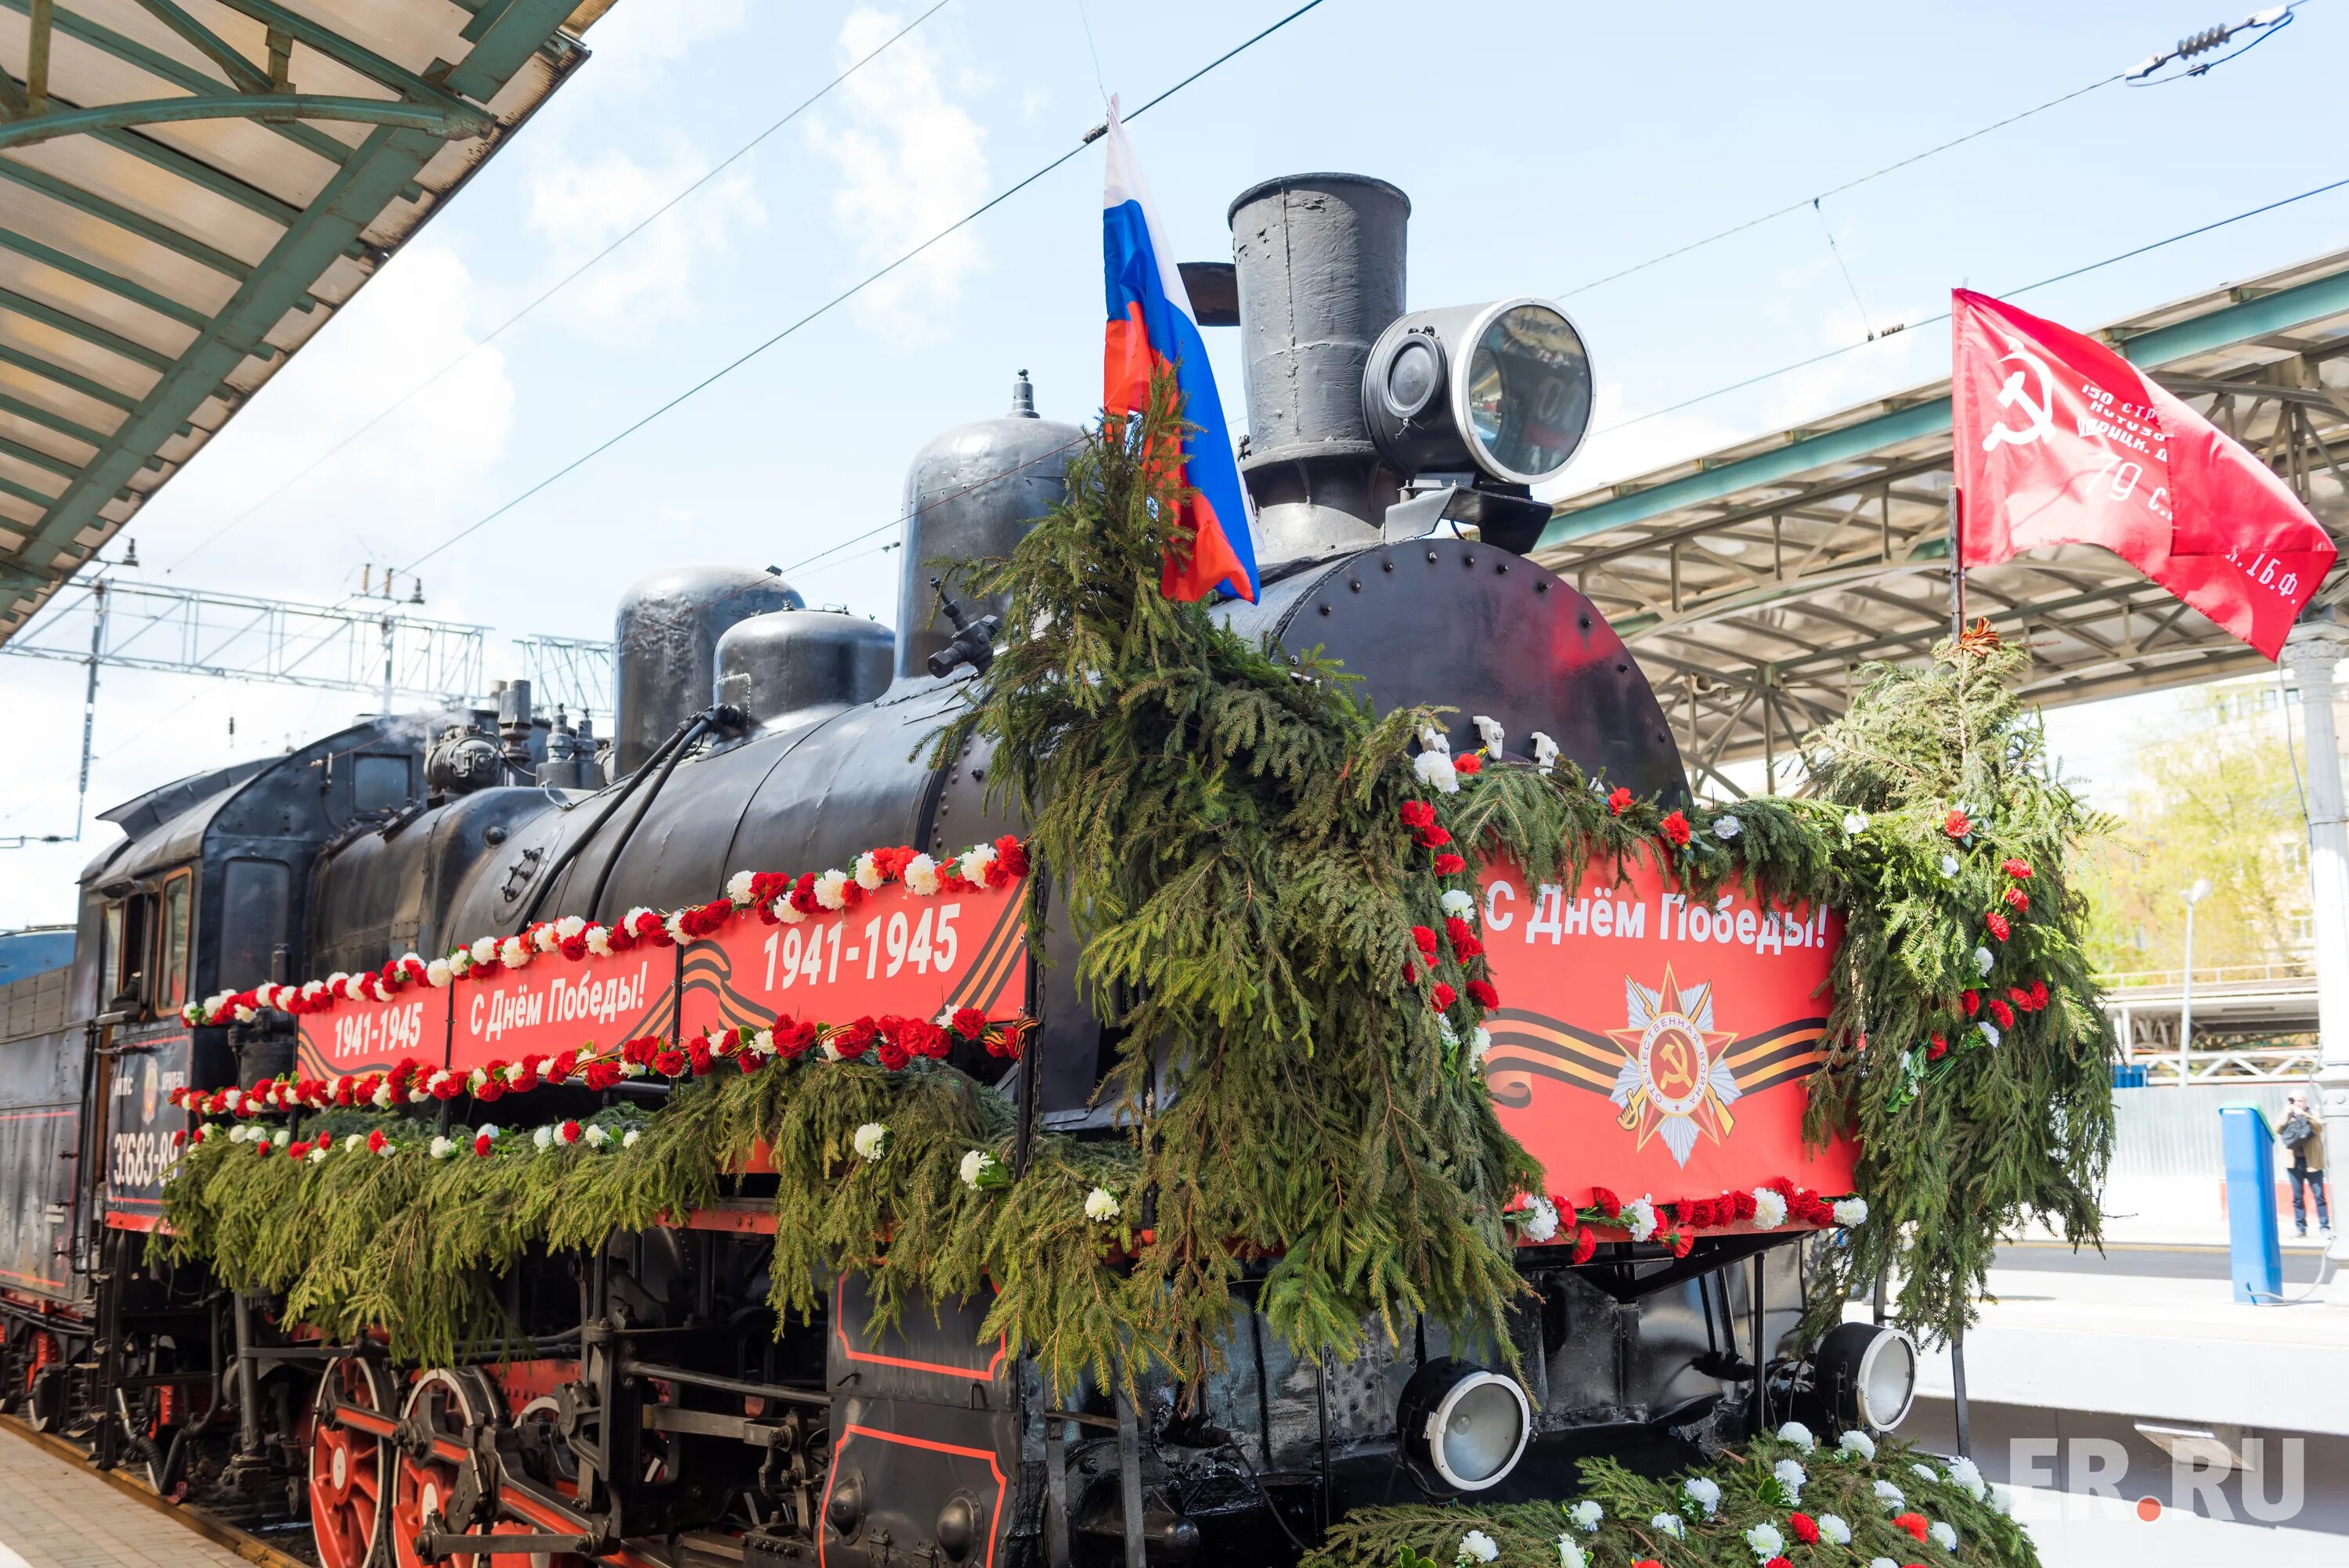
x=1150 y=327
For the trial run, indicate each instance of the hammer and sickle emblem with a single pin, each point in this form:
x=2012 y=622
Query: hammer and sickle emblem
x=2040 y=414
x=1674 y=1073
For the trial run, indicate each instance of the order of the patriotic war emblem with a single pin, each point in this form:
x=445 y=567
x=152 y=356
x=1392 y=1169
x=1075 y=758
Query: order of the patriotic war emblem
x=1674 y=1080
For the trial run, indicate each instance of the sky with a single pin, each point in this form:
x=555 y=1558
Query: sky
x=1544 y=145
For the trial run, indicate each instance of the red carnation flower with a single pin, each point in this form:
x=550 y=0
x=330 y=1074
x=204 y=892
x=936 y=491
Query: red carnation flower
x=601 y=1074
x=180 y=1138
x=851 y=893
x=926 y=1039
x=1743 y=1206
x=851 y=1040
x=892 y=1052
x=375 y=1140
x=1011 y=856
x=2016 y=899
x=1803 y=1527
x=1449 y=864
x=1777 y=1562
x=2020 y=998
x=1998 y=925
x=481 y=1145
x=1416 y=814
x=1914 y=1523
x=803 y=895
x=568 y=1132
x=792 y=1040
x=619 y=939
x=1586 y=1242
x=527 y=1078
x=969 y=1023
x=1006 y=1041
x=557 y=1067
x=1618 y=801
x=669 y=1062
x=2003 y=1013
x=2017 y=869
x=1682 y=1242
x=2038 y=994
x=574 y=948
x=1606 y=1202
x=1471 y=763
x=1481 y=992
x=1425 y=940
x=639 y=1050
x=1675 y=829
x=1444 y=996
x=696 y=1052
x=1957 y=824
x=1937 y=1049
x=450 y=1087
x=1971 y=1001
x=263 y=1148
x=1434 y=838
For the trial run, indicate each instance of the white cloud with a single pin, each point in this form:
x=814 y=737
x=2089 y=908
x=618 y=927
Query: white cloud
x=656 y=32
x=580 y=208
x=911 y=162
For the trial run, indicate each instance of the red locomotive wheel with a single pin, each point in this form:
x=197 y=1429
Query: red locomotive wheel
x=347 y=1471
x=451 y=1407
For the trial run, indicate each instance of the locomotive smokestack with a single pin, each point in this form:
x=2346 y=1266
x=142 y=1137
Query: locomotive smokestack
x=1320 y=259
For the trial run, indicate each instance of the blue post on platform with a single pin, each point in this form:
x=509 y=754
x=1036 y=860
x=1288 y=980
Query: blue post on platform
x=2255 y=1256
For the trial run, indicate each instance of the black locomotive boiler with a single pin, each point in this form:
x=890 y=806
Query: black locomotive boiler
x=662 y=1417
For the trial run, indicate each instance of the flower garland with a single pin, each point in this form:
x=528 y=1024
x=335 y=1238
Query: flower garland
x=776 y=898
x=894 y=1042
x=1551 y=1220
x=1882 y=1503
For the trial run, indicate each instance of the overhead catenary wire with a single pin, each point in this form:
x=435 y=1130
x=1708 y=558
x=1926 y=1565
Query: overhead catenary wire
x=2066 y=276
x=835 y=301
x=647 y=222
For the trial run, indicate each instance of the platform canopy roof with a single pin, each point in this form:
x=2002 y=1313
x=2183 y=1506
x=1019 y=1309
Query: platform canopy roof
x=189 y=190
x=1751 y=583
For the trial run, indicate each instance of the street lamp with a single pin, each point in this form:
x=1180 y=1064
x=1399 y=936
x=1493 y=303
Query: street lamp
x=2193 y=895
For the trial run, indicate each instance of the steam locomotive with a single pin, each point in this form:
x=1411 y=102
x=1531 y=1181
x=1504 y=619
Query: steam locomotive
x=662 y=1417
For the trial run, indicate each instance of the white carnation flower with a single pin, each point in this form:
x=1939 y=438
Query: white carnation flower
x=1925 y=1472
x=1545 y=752
x=1458 y=903
x=830 y=890
x=542 y=1138
x=1102 y=1206
x=1477 y=1547
x=738 y=889
x=1834 y=1529
x=921 y=876
x=239 y=1134
x=1857 y=1444
x=1982 y=960
x=1890 y=1496
x=868 y=872
x=1988 y=1031
x=1969 y=1475
x=674 y=924
x=787 y=912
x=872 y=1140
x=762 y=1044
x=975 y=1164
x=1585 y=1516
x=1727 y=828
x=1765 y=1541
x=1882 y=1563
x=1791 y=1476
x=1799 y=1435
x=975 y=863
x=1704 y=1491
x=437 y=974
x=1942 y=1535
x=543 y=937
x=1948 y=865
x=628 y=1139
x=1855 y=823
x=485 y=950
x=1640 y=1218
x=1570 y=1555
x=598 y=939
x=389 y=1149
x=1769 y=1209
x=513 y=952
x=1851 y=1213
x=283 y=1137
x=1542 y=1225
x=598 y=1136
x=353 y=1143
x=1479 y=1043
x=568 y=927
x=441 y=1147
x=1435 y=769
x=318 y=1153
x=1669 y=1523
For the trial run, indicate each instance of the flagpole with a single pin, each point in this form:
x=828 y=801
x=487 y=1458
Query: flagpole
x=1956 y=569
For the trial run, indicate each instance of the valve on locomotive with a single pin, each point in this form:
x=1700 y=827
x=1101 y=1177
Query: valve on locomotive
x=973 y=642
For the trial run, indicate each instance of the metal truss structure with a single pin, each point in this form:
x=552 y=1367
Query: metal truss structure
x=1752 y=583
x=574 y=672
x=356 y=647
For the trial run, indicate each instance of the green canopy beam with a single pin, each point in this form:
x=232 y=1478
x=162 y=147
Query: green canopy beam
x=445 y=124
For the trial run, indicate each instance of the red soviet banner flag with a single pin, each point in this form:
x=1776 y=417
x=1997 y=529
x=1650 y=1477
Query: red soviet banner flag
x=2059 y=440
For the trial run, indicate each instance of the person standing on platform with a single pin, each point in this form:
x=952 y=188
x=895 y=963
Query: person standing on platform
x=2302 y=1136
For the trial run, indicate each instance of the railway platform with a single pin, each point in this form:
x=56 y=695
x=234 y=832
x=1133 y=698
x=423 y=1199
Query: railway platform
x=56 y=1511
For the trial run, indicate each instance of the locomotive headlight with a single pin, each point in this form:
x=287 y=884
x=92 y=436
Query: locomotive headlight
x=1463 y=1427
x=1865 y=1375
x=1503 y=388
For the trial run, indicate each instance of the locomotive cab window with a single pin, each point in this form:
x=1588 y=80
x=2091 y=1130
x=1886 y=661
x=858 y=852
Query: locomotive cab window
x=378 y=783
x=128 y=932
x=172 y=932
